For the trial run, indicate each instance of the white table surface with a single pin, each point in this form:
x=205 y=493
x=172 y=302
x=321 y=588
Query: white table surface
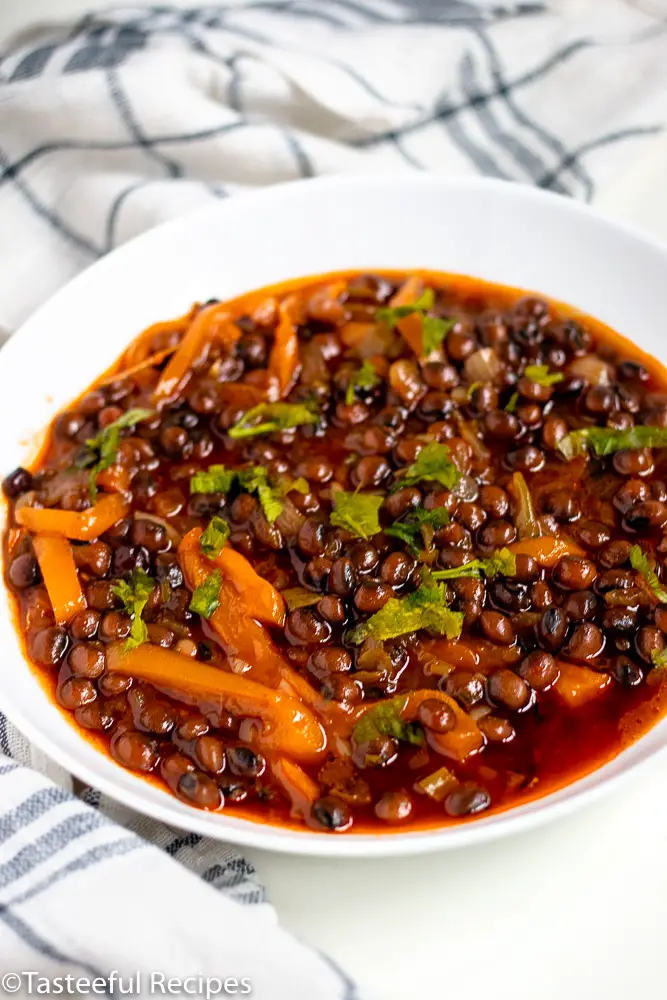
x=576 y=910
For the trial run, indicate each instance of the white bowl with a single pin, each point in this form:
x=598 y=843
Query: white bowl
x=494 y=230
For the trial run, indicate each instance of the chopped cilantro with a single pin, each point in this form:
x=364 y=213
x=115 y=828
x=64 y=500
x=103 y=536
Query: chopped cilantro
x=502 y=562
x=384 y=719
x=271 y=493
x=214 y=536
x=604 y=441
x=639 y=562
x=434 y=328
x=357 y=513
x=418 y=522
x=542 y=375
x=366 y=378
x=425 y=608
x=299 y=597
x=272 y=417
x=511 y=405
x=206 y=597
x=659 y=658
x=102 y=450
x=433 y=463
x=134 y=594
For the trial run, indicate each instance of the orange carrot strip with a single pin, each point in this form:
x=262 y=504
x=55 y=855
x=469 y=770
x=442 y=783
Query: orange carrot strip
x=300 y=787
x=241 y=394
x=115 y=479
x=548 y=551
x=410 y=327
x=577 y=686
x=142 y=345
x=284 y=356
x=288 y=726
x=239 y=633
x=200 y=332
x=56 y=561
x=83 y=526
x=262 y=600
x=149 y=362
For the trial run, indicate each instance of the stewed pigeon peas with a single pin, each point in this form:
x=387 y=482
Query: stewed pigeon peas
x=356 y=552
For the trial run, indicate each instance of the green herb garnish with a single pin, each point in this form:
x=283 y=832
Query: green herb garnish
x=418 y=522
x=604 y=441
x=502 y=562
x=271 y=493
x=425 y=608
x=134 y=594
x=102 y=449
x=218 y=479
x=272 y=417
x=357 y=513
x=390 y=315
x=366 y=378
x=639 y=562
x=542 y=375
x=299 y=597
x=385 y=720
x=434 y=329
x=214 y=537
x=206 y=597
x=511 y=405
x=659 y=658
x=433 y=463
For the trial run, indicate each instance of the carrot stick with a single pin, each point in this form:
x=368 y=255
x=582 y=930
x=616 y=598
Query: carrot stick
x=548 y=550
x=262 y=600
x=409 y=327
x=149 y=362
x=300 y=787
x=200 y=332
x=142 y=345
x=56 y=561
x=83 y=526
x=284 y=356
x=239 y=633
x=577 y=686
x=288 y=726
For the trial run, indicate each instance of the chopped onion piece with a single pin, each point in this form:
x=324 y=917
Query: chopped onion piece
x=482 y=366
x=592 y=369
x=437 y=785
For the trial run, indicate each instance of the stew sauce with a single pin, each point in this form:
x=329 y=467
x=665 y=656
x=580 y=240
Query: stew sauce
x=360 y=552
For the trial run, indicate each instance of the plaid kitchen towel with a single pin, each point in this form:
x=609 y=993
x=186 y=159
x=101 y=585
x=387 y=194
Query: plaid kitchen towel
x=138 y=114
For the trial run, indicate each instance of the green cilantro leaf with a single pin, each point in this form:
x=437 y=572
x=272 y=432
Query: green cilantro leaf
x=134 y=594
x=366 y=378
x=434 y=331
x=271 y=493
x=391 y=315
x=299 y=597
x=434 y=328
x=218 y=479
x=425 y=608
x=385 y=719
x=604 y=441
x=418 y=522
x=206 y=597
x=542 y=375
x=511 y=405
x=214 y=537
x=272 y=417
x=502 y=562
x=434 y=464
x=659 y=658
x=102 y=449
x=639 y=562
x=357 y=513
